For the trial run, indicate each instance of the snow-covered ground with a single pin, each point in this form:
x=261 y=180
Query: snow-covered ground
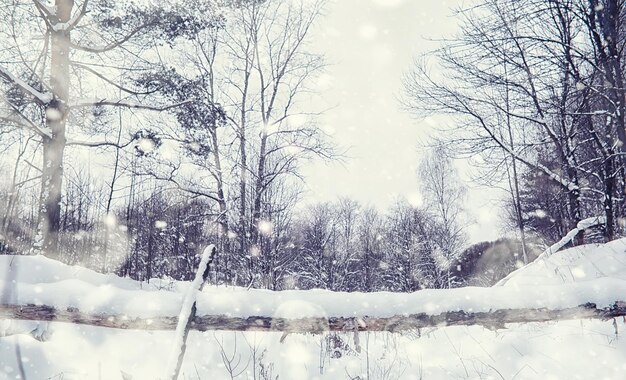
x=569 y=349
x=564 y=350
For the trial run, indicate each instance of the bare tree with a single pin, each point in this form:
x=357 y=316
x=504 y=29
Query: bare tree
x=444 y=197
x=524 y=83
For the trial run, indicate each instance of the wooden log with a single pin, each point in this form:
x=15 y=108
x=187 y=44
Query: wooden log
x=495 y=319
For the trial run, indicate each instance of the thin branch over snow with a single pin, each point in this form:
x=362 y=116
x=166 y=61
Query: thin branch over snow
x=581 y=226
x=188 y=313
x=42 y=97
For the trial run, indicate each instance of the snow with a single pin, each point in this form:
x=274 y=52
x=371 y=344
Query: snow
x=590 y=273
x=570 y=186
x=563 y=350
x=265 y=227
x=598 y=277
x=541 y=259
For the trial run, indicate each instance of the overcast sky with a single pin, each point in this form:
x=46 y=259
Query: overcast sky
x=369 y=44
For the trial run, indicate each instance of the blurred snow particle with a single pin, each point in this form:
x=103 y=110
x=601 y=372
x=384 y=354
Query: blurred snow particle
x=231 y=234
x=269 y=128
x=110 y=220
x=194 y=146
x=53 y=114
x=290 y=282
x=255 y=251
x=578 y=272
x=145 y=145
x=160 y=224
x=415 y=199
x=168 y=153
x=265 y=227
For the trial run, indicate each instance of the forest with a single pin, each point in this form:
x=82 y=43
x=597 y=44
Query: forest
x=133 y=135
x=148 y=149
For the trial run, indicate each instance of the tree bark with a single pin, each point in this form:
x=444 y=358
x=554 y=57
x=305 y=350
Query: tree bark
x=496 y=319
x=54 y=144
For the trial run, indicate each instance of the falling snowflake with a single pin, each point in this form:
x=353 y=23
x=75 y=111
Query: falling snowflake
x=145 y=145
x=265 y=227
x=110 y=220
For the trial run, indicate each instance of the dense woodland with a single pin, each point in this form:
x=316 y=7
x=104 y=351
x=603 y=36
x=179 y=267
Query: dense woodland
x=134 y=134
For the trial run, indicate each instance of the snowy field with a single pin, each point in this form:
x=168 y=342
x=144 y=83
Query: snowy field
x=564 y=350
x=578 y=349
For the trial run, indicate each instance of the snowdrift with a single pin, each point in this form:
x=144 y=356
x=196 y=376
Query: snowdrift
x=591 y=273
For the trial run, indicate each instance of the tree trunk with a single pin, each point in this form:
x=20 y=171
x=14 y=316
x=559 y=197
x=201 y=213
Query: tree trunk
x=54 y=145
x=258 y=191
x=609 y=189
x=107 y=211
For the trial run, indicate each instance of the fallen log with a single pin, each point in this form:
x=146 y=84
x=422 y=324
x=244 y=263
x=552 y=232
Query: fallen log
x=495 y=319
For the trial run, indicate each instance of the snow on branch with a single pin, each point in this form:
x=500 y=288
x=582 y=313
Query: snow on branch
x=71 y=24
x=570 y=186
x=42 y=97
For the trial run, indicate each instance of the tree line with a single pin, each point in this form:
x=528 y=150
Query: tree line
x=341 y=246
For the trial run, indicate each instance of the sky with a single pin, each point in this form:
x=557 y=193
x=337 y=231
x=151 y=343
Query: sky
x=369 y=45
